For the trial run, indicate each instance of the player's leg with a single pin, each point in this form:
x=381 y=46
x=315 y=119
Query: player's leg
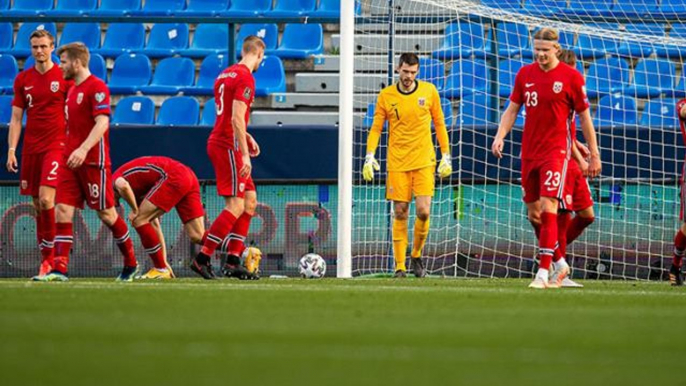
x=534 y=216
x=64 y=239
x=676 y=276
x=583 y=206
x=195 y=229
x=548 y=239
x=152 y=243
x=399 y=190
x=236 y=239
x=45 y=206
x=423 y=190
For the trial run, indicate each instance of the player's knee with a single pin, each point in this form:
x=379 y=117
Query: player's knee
x=109 y=217
x=63 y=214
x=236 y=206
x=195 y=237
x=250 y=206
x=139 y=221
x=45 y=202
x=534 y=218
x=588 y=220
x=423 y=214
x=401 y=215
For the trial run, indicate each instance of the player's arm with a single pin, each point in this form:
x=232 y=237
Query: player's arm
x=102 y=124
x=445 y=167
x=124 y=190
x=373 y=138
x=507 y=121
x=238 y=123
x=578 y=156
x=13 y=138
x=588 y=130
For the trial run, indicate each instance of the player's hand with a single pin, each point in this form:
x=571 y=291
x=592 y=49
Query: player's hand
x=445 y=168
x=497 y=147
x=370 y=165
x=253 y=147
x=594 y=166
x=77 y=157
x=247 y=166
x=583 y=149
x=12 y=165
x=583 y=165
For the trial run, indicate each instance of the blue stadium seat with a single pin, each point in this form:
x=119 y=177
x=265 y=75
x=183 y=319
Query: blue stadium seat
x=268 y=32
x=507 y=70
x=205 y=7
x=652 y=77
x=466 y=77
x=616 y=110
x=432 y=70
x=134 y=110
x=117 y=7
x=22 y=46
x=331 y=8
x=447 y=107
x=545 y=7
x=210 y=68
x=672 y=8
x=503 y=4
x=5 y=108
x=291 y=8
x=271 y=77
x=248 y=8
x=160 y=8
x=209 y=113
x=8 y=71
x=513 y=39
x=639 y=49
x=122 y=38
x=86 y=33
x=593 y=46
x=606 y=75
x=97 y=66
x=179 y=111
x=679 y=91
x=73 y=8
x=31 y=7
x=463 y=40
x=660 y=113
x=166 y=39
x=674 y=51
x=4 y=4
x=208 y=39
x=6 y=37
x=30 y=61
x=589 y=8
x=171 y=75
x=634 y=9
x=130 y=73
x=300 y=41
x=474 y=110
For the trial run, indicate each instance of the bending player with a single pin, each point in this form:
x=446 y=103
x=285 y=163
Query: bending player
x=40 y=91
x=551 y=93
x=676 y=276
x=409 y=107
x=87 y=157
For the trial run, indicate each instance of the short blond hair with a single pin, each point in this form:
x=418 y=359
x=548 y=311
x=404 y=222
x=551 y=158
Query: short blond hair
x=42 y=33
x=549 y=35
x=252 y=44
x=75 y=51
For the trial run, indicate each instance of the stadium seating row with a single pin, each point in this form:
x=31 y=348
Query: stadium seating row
x=133 y=72
x=595 y=8
x=298 y=40
x=228 y=8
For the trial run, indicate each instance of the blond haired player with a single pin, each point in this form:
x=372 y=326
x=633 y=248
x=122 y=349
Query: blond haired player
x=409 y=107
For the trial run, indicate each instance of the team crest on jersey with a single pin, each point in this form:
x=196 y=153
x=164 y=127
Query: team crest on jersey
x=422 y=102
x=54 y=86
x=247 y=92
x=557 y=87
x=79 y=98
x=100 y=97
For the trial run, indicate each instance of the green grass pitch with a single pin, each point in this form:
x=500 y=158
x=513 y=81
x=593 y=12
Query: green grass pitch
x=340 y=332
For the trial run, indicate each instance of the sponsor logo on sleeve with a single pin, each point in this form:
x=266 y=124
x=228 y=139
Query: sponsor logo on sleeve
x=100 y=96
x=102 y=107
x=247 y=93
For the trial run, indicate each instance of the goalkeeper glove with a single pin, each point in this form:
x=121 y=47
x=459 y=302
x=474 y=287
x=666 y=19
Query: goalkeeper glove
x=445 y=168
x=370 y=164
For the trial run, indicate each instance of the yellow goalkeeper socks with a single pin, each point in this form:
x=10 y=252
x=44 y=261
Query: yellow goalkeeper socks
x=421 y=232
x=400 y=243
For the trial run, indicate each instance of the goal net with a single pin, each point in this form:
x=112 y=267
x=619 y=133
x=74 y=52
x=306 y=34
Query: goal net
x=630 y=54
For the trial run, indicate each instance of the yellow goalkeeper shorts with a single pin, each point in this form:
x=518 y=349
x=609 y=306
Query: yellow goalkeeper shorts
x=400 y=186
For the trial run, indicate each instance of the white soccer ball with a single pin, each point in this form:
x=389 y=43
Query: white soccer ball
x=312 y=266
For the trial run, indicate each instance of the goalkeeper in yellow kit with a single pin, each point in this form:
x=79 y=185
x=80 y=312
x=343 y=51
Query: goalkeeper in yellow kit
x=409 y=106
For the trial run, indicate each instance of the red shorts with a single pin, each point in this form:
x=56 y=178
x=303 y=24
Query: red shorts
x=38 y=170
x=181 y=190
x=90 y=183
x=577 y=194
x=543 y=178
x=226 y=164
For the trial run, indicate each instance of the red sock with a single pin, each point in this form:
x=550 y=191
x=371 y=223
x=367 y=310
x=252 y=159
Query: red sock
x=577 y=226
x=64 y=238
x=221 y=227
x=151 y=242
x=238 y=234
x=47 y=233
x=679 y=247
x=204 y=238
x=548 y=239
x=563 y=219
x=120 y=233
x=39 y=231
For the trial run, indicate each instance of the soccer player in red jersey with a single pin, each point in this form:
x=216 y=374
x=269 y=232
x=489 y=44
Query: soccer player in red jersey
x=40 y=91
x=227 y=147
x=551 y=92
x=676 y=276
x=87 y=175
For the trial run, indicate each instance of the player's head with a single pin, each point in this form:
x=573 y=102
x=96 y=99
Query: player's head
x=568 y=57
x=253 y=50
x=546 y=47
x=74 y=59
x=408 y=68
x=42 y=46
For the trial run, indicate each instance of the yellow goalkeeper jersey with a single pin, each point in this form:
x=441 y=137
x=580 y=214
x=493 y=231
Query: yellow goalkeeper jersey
x=409 y=117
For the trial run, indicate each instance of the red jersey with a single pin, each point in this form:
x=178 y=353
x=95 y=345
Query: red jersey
x=144 y=173
x=682 y=121
x=550 y=99
x=85 y=102
x=42 y=96
x=234 y=83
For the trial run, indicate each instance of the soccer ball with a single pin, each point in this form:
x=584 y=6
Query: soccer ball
x=312 y=266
